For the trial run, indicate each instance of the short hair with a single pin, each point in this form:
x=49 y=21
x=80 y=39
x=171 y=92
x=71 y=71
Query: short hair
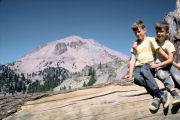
x=162 y=25
x=138 y=24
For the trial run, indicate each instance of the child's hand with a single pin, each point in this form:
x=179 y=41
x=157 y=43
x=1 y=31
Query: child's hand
x=154 y=65
x=178 y=66
x=128 y=76
x=135 y=45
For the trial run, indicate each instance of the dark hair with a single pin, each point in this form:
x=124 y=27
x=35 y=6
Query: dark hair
x=138 y=24
x=162 y=25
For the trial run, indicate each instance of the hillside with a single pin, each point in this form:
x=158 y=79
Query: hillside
x=68 y=63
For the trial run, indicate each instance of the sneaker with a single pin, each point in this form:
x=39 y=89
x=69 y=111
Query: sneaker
x=165 y=99
x=155 y=104
x=176 y=100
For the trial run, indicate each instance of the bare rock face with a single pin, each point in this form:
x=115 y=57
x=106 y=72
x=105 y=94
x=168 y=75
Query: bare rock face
x=60 y=48
x=173 y=18
x=104 y=73
x=101 y=102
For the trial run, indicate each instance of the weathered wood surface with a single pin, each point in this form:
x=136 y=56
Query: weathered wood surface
x=111 y=102
x=10 y=104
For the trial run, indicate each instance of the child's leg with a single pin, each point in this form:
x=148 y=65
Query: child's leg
x=151 y=83
x=149 y=78
x=164 y=76
x=139 y=80
x=175 y=73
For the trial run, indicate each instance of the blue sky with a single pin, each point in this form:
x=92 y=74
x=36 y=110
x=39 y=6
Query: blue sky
x=26 y=24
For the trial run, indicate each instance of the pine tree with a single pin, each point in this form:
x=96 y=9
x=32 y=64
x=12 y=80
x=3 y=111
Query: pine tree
x=84 y=84
x=99 y=66
x=92 y=79
x=90 y=71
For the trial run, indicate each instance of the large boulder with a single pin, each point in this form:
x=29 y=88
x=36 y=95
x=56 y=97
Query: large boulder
x=105 y=102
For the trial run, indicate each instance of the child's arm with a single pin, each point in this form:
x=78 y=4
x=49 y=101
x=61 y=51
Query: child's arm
x=169 y=58
x=176 y=65
x=161 y=51
x=131 y=66
x=166 y=56
x=135 y=45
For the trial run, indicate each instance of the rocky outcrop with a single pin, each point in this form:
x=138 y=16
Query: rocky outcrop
x=11 y=104
x=173 y=18
x=104 y=73
x=60 y=48
x=102 y=102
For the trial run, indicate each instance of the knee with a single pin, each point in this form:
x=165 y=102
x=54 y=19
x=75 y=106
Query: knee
x=161 y=75
x=137 y=77
x=139 y=82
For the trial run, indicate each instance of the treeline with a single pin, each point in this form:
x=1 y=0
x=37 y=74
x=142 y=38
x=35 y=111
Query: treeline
x=10 y=82
x=13 y=83
x=52 y=77
x=47 y=86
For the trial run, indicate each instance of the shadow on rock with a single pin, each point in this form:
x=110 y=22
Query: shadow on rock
x=166 y=111
x=175 y=109
x=153 y=111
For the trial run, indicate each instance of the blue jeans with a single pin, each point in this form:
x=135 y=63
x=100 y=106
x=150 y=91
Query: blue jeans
x=143 y=76
x=175 y=74
x=163 y=73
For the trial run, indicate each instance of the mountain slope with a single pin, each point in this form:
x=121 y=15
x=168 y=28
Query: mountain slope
x=72 y=53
